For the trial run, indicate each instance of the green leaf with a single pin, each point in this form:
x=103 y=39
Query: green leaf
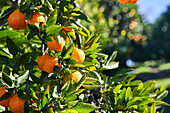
x=84 y=108
x=12 y=34
x=53 y=18
x=49 y=39
x=22 y=95
x=140 y=86
x=11 y=46
x=7 y=79
x=4 y=60
x=92 y=86
x=5 y=96
x=31 y=35
x=70 y=98
x=90 y=80
x=112 y=65
x=53 y=29
x=153 y=108
x=112 y=57
x=36 y=79
x=117 y=88
x=134 y=99
x=33 y=27
x=162 y=95
x=122 y=94
x=128 y=94
x=45 y=98
x=81 y=16
x=23 y=78
x=26 y=107
x=24 y=58
x=69 y=111
x=163 y=88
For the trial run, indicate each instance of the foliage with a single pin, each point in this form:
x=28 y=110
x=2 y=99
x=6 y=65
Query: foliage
x=46 y=92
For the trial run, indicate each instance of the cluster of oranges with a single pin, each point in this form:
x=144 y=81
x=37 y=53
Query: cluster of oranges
x=15 y=103
x=128 y=1
x=17 y=21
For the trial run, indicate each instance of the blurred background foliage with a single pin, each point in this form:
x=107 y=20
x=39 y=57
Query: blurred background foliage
x=141 y=45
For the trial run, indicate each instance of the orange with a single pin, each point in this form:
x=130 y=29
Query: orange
x=36 y=17
x=133 y=1
x=56 y=46
x=4 y=103
x=16 y=104
x=50 y=63
x=16 y=20
x=76 y=77
x=124 y=1
x=78 y=55
x=41 y=61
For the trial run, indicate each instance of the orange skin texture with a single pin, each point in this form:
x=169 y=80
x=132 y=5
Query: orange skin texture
x=4 y=103
x=16 y=104
x=134 y=1
x=41 y=60
x=78 y=55
x=76 y=77
x=36 y=17
x=50 y=63
x=16 y=20
x=56 y=46
x=124 y=1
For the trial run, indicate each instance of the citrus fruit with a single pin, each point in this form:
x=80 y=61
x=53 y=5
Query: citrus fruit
x=78 y=55
x=4 y=103
x=41 y=61
x=56 y=46
x=133 y=1
x=76 y=77
x=36 y=17
x=50 y=63
x=124 y=1
x=16 y=104
x=16 y=20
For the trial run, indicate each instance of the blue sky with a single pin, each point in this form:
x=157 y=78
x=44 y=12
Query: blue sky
x=152 y=9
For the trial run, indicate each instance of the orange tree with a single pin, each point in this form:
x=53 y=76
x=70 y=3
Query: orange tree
x=52 y=63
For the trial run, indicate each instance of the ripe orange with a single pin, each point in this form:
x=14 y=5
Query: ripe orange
x=79 y=55
x=36 y=17
x=133 y=1
x=76 y=77
x=124 y=1
x=41 y=61
x=16 y=20
x=56 y=46
x=50 y=63
x=4 y=103
x=16 y=104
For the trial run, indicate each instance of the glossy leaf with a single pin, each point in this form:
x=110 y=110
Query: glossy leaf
x=11 y=46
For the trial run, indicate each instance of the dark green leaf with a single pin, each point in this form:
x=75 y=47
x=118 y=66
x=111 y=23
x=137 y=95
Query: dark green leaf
x=36 y=79
x=112 y=57
x=5 y=96
x=56 y=69
x=7 y=79
x=33 y=27
x=31 y=35
x=22 y=95
x=4 y=60
x=24 y=58
x=11 y=46
x=26 y=107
